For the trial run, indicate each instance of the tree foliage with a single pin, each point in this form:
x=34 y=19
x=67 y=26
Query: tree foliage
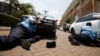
x=24 y=8
x=68 y=20
x=27 y=8
x=14 y=2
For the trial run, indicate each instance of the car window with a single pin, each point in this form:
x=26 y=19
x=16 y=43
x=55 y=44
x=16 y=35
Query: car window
x=45 y=20
x=96 y=17
x=80 y=20
x=49 y=21
x=87 y=18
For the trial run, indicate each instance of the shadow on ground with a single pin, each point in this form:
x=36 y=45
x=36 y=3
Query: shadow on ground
x=95 y=45
x=92 y=45
x=49 y=37
x=8 y=47
x=5 y=48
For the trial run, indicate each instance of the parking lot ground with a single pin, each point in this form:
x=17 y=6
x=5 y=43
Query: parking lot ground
x=63 y=48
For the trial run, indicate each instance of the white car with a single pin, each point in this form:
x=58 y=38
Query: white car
x=94 y=18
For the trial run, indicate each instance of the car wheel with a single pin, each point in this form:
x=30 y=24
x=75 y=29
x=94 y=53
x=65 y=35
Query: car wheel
x=53 y=34
x=72 y=31
x=65 y=30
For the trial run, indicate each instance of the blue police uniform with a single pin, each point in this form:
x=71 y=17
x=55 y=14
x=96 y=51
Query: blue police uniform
x=89 y=31
x=22 y=30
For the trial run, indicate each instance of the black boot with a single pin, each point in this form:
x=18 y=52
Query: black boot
x=25 y=44
x=75 y=42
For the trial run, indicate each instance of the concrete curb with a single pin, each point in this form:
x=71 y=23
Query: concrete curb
x=4 y=28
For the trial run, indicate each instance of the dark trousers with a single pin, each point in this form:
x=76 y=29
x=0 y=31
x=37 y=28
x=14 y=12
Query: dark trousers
x=17 y=33
x=82 y=38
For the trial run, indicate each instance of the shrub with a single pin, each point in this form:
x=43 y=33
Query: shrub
x=8 y=20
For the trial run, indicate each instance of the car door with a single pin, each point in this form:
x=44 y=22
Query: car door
x=79 y=23
x=95 y=22
x=92 y=20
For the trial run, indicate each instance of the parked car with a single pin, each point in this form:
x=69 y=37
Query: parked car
x=61 y=28
x=49 y=26
x=94 y=18
x=66 y=27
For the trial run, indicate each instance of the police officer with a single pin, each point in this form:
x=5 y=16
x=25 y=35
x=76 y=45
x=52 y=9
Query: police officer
x=23 y=33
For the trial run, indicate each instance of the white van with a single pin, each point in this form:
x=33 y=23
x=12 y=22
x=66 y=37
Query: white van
x=94 y=18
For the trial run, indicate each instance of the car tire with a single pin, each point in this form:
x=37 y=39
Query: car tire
x=65 y=30
x=53 y=34
x=72 y=31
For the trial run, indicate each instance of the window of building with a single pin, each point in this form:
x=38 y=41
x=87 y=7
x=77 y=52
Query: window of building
x=71 y=11
x=77 y=6
x=84 y=1
x=98 y=0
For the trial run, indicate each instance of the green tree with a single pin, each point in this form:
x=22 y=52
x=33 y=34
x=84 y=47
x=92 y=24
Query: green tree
x=24 y=8
x=68 y=20
x=27 y=8
x=12 y=2
x=38 y=13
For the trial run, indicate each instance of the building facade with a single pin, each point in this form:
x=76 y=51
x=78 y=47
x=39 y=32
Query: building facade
x=79 y=8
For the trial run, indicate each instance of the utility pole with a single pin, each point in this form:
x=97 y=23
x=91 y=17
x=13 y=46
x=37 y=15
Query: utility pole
x=45 y=13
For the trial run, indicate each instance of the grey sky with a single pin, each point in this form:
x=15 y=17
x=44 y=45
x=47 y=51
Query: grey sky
x=55 y=8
